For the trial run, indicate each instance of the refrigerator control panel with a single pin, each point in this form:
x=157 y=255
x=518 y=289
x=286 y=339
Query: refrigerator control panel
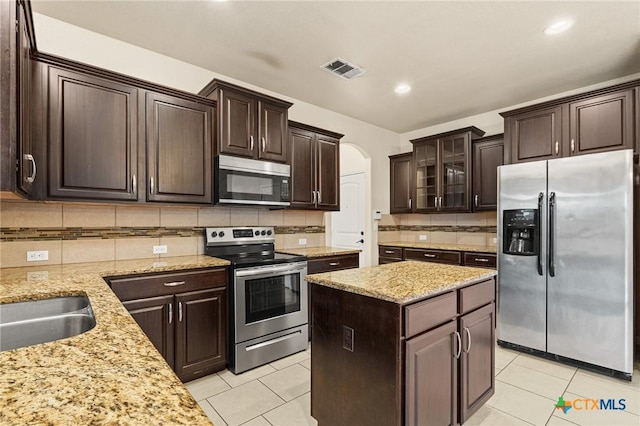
x=521 y=232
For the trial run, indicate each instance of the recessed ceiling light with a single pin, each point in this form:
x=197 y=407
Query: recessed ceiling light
x=401 y=89
x=558 y=27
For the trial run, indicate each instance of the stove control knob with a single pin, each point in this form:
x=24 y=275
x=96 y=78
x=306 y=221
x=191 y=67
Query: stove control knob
x=221 y=234
x=257 y=233
x=214 y=234
x=269 y=232
x=263 y=232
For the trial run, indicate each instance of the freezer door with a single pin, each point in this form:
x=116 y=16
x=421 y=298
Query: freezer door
x=590 y=293
x=521 y=289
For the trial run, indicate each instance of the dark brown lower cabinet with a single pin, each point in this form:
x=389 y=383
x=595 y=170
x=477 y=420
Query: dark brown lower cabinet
x=184 y=316
x=390 y=254
x=430 y=362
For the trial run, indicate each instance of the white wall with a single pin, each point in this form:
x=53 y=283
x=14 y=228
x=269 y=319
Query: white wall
x=351 y=160
x=59 y=38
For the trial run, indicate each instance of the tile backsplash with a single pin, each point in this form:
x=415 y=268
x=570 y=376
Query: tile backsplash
x=74 y=233
x=476 y=229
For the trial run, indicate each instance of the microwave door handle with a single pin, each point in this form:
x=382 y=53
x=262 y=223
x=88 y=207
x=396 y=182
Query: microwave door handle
x=537 y=234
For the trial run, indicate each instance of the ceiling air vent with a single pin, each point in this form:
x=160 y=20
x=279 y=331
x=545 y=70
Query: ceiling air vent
x=343 y=69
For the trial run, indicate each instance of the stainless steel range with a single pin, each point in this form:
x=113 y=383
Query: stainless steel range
x=268 y=296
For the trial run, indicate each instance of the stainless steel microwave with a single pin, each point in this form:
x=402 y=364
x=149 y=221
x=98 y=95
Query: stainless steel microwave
x=251 y=182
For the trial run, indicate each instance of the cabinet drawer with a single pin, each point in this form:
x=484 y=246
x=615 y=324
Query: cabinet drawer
x=137 y=287
x=481 y=260
x=333 y=263
x=383 y=260
x=476 y=295
x=390 y=252
x=422 y=316
x=438 y=256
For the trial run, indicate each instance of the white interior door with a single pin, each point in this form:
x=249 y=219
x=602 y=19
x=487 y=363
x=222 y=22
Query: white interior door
x=347 y=225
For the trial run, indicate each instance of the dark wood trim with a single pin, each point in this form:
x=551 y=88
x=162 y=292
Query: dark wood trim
x=572 y=98
x=58 y=61
x=216 y=84
x=313 y=129
x=30 y=28
x=8 y=96
x=472 y=129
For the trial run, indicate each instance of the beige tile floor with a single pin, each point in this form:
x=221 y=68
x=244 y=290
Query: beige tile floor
x=527 y=389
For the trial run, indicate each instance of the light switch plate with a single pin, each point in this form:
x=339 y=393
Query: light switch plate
x=495 y=240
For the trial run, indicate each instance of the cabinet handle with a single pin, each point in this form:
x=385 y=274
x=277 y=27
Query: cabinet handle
x=457 y=355
x=32 y=176
x=476 y=200
x=334 y=263
x=264 y=144
x=480 y=260
x=174 y=283
x=134 y=184
x=466 y=330
x=440 y=202
x=151 y=185
x=429 y=255
x=573 y=145
x=319 y=197
x=557 y=147
x=435 y=202
x=313 y=197
x=180 y=311
x=170 y=313
x=409 y=202
x=250 y=143
x=388 y=251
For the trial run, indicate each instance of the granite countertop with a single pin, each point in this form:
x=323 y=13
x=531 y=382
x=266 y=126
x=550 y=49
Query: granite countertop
x=402 y=282
x=437 y=246
x=111 y=374
x=312 y=252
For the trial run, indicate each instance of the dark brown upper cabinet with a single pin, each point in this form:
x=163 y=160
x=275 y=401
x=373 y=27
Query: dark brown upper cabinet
x=18 y=169
x=401 y=171
x=488 y=154
x=442 y=166
x=315 y=167
x=597 y=121
x=92 y=137
x=179 y=144
x=249 y=124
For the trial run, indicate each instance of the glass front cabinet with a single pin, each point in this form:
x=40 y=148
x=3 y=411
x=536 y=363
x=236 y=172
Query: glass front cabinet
x=443 y=171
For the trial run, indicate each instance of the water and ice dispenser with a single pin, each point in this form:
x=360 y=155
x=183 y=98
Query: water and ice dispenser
x=521 y=232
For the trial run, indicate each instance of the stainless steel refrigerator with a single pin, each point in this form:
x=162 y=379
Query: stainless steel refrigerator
x=565 y=258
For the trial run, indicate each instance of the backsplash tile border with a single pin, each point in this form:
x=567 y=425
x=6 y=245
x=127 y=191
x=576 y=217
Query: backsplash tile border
x=441 y=228
x=117 y=232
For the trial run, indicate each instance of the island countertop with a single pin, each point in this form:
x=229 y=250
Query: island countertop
x=312 y=252
x=402 y=282
x=112 y=374
x=439 y=246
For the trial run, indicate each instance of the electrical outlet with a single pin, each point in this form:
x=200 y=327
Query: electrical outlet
x=36 y=256
x=347 y=338
x=159 y=249
x=422 y=237
x=37 y=276
x=302 y=242
x=495 y=240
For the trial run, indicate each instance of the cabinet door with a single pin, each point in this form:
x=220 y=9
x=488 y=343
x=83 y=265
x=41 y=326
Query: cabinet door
x=200 y=333
x=302 y=160
x=237 y=133
x=426 y=176
x=92 y=137
x=272 y=132
x=179 y=143
x=328 y=173
x=455 y=152
x=26 y=162
x=400 y=172
x=432 y=377
x=155 y=316
x=535 y=135
x=477 y=365
x=603 y=123
x=487 y=156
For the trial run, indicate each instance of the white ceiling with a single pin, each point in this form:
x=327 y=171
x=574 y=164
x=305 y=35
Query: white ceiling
x=461 y=58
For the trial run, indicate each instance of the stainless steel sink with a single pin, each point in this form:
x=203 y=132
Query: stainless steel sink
x=40 y=321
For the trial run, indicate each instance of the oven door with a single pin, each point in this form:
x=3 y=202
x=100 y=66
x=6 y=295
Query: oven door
x=269 y=299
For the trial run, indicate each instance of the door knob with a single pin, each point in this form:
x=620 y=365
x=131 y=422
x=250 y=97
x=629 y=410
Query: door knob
x=360 y=241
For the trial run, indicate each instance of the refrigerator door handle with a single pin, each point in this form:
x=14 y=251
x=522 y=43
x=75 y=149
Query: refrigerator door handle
x=552 y=212
x=540 y=198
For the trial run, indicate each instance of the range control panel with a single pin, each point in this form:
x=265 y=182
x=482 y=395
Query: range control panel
x=240 y=235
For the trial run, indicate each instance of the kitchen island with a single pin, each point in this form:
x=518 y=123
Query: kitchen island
x=403 y=343
x=111 y=374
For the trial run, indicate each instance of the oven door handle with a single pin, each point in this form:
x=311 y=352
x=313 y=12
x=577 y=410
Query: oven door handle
x=269 y=271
